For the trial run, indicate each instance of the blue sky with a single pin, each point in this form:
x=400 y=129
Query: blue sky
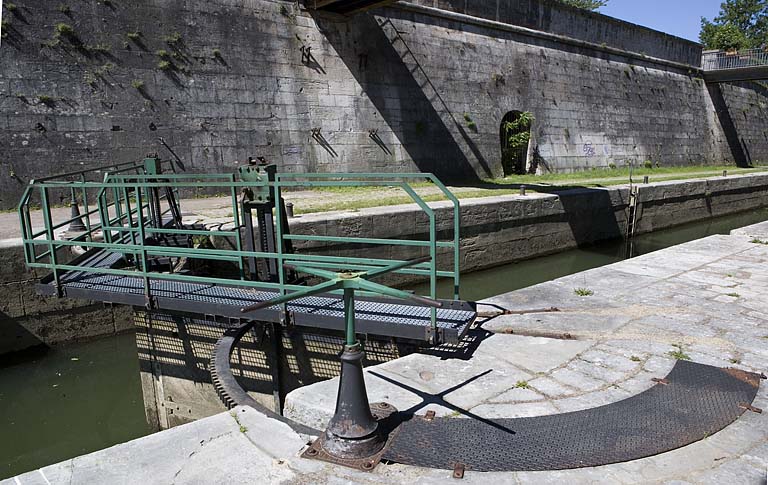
x=677 y=17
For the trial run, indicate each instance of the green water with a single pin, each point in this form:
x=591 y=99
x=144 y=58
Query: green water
x=69 y=401
x=84 y=397
x=502 y=279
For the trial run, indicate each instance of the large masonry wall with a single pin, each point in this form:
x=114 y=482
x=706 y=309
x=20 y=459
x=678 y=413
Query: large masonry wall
x=394 y=90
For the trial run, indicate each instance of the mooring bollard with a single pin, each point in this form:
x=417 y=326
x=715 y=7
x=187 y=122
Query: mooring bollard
x=522 y=190
x=725 y=173
x=646 y=179
x=353 y=436
x=76 y=224
x=289 y=209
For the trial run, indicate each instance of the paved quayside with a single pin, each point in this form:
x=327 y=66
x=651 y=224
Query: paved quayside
x=704 y=300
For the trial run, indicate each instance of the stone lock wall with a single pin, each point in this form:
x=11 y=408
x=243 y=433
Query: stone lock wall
x=396 y=89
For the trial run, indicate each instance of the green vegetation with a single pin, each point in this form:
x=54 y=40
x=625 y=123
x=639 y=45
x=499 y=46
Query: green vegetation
x=133 y=35
x=758 y=241
x=620 y=175
x=11 y=7
x=583 y=292
x=678 y=353
x=734 y=361
x=63 y=8
x=470 y=123
x=518 y=132
x=741 y=24
x=137 y=84
x=521 y=385
x=586 y=4
x=216 y=53
x=383 y=196
x=46 y=100
x=733 y=295
x=164 y=66
x=64 y=30
x=172 y=39
x=243 y=429
x=385 y=200
x=4 y=26
x=635 y=358
x=162 y=54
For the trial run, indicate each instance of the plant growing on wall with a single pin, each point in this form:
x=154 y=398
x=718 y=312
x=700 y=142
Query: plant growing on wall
x=172 y=39
x=46 y=100
x=519 y=131
x=586 y=4
x=470 y=122
x=65 y=30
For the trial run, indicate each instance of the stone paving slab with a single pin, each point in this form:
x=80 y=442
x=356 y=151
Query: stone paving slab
x=597 y=350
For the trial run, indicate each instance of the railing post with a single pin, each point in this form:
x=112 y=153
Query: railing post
x=50 y=237
x=236 y=222
x=144 y=271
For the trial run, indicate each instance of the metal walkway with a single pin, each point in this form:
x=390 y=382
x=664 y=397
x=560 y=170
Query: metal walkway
x=141 y=253
x=375 y=316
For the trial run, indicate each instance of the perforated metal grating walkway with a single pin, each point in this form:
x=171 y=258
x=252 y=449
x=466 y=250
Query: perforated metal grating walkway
x=374 y=316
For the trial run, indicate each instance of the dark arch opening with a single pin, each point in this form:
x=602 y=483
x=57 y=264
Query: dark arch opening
x=514 y=137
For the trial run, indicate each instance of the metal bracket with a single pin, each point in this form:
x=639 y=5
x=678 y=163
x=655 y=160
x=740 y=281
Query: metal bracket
x=434 y=336
x=150 y=302
x=749 y=407
x=287 y=318
x=458 y=470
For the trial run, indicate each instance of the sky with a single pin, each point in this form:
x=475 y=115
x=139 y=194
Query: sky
x=677 y=17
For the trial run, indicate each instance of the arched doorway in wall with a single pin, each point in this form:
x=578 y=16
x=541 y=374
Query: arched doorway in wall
x=515 y=135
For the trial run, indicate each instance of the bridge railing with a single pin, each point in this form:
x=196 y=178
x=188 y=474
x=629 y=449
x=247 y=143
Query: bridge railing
x=60 y=191
x=721 y=60
x=124 y=212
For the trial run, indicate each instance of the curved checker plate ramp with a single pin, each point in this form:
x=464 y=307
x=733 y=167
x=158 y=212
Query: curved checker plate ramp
x=697 y=401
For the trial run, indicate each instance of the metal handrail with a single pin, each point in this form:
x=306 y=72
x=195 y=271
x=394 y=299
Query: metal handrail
x=121 y=203
x=722 y=60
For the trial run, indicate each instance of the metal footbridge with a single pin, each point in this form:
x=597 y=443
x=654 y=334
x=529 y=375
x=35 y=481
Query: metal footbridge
x=728 y=66
x=137 y=250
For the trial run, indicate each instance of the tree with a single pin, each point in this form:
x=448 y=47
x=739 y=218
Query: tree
x=586 y=4
x=741 y=24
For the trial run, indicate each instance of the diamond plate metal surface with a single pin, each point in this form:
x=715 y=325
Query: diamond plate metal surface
x=699 y=401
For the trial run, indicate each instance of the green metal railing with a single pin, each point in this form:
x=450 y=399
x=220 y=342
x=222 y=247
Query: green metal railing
x=120 y=204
